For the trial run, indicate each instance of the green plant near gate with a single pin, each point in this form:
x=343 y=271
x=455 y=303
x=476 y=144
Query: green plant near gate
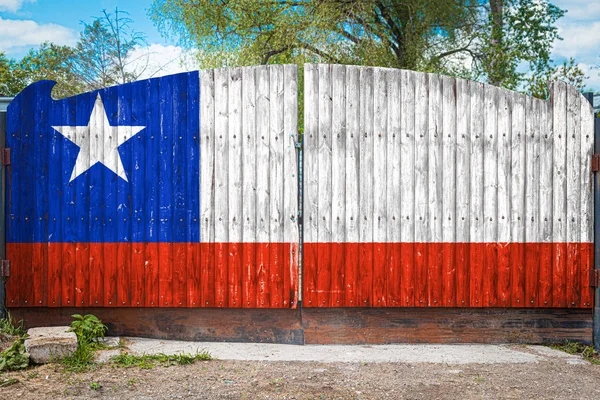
x=89 y=329
x=587 y=352
x=15 y=357
x=149 y=361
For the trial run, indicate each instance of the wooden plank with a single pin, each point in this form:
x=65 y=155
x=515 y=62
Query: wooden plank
x=463 y=190
x=41 y=196
x=393 y=274
x=435 y=192
x=55 y=223
x=249 y=140
x=380 y=162
x=352 y=188
x=68 y=279
x=221 y=178
x=290 y=186
x=449 y=192
x=503 y=266
x=532 y=200
x=573 y=197
x=490 y=195
x=207 y=185
x=165 y=209
x=325 y=188
x=275 y=194
x=262 y=187
x=311 y=188
x=587 y=213
x=407 y=188
x=546 y=204
x=476 y=234
x=338 y=183
x=234 y=188
x=518 y=206
x=366 y=177
x=559 y=193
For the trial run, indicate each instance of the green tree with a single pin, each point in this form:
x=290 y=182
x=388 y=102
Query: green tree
x=12 y=81
x=415 y=34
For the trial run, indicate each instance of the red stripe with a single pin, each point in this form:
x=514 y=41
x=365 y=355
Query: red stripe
x=473 y=274
x=153 y=274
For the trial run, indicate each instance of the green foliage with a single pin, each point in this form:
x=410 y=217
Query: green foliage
x=95 y=385
x=8 y=381
x=88 y=328
x=9 y=327
x=15 y=357
x=149 y=361
x=587 y=352
x=569 y=72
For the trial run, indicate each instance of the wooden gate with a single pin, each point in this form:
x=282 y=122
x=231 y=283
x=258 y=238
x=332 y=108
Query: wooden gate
x=426 y=190
x=178 y=191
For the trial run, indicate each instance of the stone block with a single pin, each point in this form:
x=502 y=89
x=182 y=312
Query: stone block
x=50 y=343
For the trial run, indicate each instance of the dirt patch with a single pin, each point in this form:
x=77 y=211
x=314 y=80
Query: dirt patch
x=552 y=379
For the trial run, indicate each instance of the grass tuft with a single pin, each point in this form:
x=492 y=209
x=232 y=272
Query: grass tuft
x=149 y=361
x=587 y=352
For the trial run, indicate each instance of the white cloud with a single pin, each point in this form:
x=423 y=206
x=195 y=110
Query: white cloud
x=15 y=35
x=580 y=10
x=578 y=39
x=159 y=60
x=13 y=5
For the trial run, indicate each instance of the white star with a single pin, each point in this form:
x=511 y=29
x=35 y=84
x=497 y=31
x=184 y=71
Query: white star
x=98 y=142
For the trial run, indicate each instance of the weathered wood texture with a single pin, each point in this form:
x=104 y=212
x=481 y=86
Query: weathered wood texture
x=200 y=208
x=333 y=325
x=424 y=190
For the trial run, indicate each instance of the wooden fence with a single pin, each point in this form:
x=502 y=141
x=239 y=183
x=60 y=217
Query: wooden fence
x=426 y=190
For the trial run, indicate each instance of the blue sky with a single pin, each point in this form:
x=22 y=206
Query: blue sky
x=26 y=23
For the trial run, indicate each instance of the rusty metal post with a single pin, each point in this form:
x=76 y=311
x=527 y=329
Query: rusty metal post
x=596 y=309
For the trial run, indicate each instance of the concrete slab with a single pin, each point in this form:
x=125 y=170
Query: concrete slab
x=439 y=354
x=50 y=343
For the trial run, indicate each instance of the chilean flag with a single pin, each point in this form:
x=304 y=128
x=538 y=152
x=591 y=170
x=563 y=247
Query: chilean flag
x=103 y=203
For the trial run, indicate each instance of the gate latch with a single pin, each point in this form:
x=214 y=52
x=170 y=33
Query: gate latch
x=5 y=268
x=5 y=156
x=596 y=162
x=595 y=278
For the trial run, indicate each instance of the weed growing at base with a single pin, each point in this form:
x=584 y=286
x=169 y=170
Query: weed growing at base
x=148 y=361
x=15 y=357
x=89 y=329
x=587 y=352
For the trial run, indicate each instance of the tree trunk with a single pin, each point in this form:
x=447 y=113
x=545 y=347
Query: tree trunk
x=496 y=42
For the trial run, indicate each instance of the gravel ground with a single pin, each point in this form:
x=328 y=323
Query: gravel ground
x=554 y=376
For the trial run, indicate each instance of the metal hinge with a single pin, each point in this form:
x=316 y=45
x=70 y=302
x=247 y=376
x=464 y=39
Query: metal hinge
x=5 y=268
x=595 y=278
x=596 y=162
x=5 y=156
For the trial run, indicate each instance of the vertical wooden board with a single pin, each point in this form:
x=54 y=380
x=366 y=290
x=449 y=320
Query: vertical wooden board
x=586 y=193
x=449 y=169
x=207 y=186
x=559 y=193
x=180 y=200
x=276 y=183
x=490 y=195
x=192 y=175
x=421 y=188
x=311 y=188
x=40 y=256
x=290 y=186
x=504 y=191
x=366 y=177
x=393 y=273
x=68 y=214
x=165 y=209
x=435 y=197
x=325 y=186
x=573 y=198
x=517 y=200
x=407 y=187
x=221 y=207
x=234 y=189
x=546 y=204
x=338 y=183
x=352 y=189
x=151 y=204
x=532 y=200
x=463 y=190
x=380 y=162
x=263 y=214
x=55 y=176
x=476 y=234
x=110 y=225
x=248 y=187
